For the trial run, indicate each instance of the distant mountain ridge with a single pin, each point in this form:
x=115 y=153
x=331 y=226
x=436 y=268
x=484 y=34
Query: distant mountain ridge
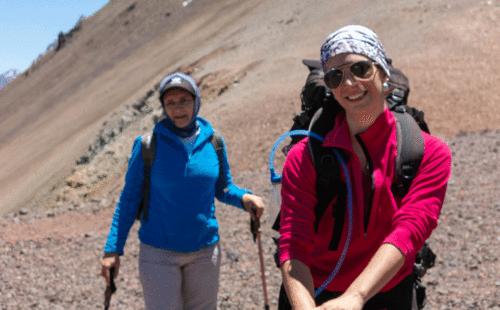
x=7 y=77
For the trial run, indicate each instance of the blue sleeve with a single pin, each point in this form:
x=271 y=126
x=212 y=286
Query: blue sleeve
x=231 y=194
x=128 y=205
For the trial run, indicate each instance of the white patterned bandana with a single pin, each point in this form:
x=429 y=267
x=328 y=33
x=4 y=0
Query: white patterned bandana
x=357 y=40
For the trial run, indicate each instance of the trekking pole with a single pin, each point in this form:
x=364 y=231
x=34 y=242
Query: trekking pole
x=255 y=228
x=109 y=289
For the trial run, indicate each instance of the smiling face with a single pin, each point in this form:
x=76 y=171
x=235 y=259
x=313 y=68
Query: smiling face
x=358 y=97
x=179 y=106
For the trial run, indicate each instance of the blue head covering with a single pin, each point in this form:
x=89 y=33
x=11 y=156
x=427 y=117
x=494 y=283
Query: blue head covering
x=356 y=40
x=180 y=80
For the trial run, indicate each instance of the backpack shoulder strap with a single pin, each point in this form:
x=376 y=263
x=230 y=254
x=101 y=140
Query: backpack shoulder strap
x=410 y=151
x=328 y=182
x=217 y=142
x=148 y=150
x=325 y=164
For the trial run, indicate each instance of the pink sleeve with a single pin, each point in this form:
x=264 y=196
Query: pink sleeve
x=298 y=195
x=418 y=216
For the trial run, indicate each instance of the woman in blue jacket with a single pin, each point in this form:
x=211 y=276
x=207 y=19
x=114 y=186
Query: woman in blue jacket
x=179 y=258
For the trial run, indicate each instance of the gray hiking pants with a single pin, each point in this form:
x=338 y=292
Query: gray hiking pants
x=176 y=281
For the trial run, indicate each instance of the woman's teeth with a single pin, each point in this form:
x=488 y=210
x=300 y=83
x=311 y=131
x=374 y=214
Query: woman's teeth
x=356 y=97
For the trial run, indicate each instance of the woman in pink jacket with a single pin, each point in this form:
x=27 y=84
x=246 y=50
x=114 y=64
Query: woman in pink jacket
x=387 y=232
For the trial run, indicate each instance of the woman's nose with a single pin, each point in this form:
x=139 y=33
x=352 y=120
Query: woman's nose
x=349 y=78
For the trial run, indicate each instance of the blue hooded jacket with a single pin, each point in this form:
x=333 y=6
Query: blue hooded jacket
x=182 y=191
x=183 y=187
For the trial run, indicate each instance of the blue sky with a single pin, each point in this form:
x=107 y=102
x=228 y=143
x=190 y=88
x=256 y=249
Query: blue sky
x=27 y=27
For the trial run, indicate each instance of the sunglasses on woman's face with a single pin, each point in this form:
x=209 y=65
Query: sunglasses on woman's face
x=361 y=70
x=179 y=104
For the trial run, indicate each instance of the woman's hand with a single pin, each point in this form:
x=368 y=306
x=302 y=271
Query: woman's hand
x=254 y=205
x=344 y=302
x=108 y=261
x=383 y=266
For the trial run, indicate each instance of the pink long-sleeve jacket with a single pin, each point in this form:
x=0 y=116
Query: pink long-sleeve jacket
x=405 y=223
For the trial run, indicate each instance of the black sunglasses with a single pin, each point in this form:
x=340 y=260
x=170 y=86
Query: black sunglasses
x=362 y=70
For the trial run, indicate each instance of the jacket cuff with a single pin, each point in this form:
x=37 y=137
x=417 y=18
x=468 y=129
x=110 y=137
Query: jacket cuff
x=402 y=239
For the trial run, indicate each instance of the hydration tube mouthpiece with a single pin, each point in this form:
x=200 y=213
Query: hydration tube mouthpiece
x=275 y=178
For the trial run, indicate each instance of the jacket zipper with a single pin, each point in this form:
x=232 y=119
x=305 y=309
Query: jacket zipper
x=368 y=212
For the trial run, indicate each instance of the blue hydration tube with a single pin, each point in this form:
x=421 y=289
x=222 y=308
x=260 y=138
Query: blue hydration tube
x=276 y=178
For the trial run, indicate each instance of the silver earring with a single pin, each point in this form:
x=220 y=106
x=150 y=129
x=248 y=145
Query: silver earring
x=385 y=86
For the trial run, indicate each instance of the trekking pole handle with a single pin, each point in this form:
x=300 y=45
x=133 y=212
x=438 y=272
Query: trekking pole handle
x=109 y=289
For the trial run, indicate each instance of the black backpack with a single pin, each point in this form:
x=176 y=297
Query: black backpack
x=148 y=156
x=319 y=107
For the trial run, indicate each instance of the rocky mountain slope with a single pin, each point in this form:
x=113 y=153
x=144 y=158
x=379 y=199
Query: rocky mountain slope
x=252 y=51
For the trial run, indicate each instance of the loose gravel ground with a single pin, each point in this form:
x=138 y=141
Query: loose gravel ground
x=57 y=267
